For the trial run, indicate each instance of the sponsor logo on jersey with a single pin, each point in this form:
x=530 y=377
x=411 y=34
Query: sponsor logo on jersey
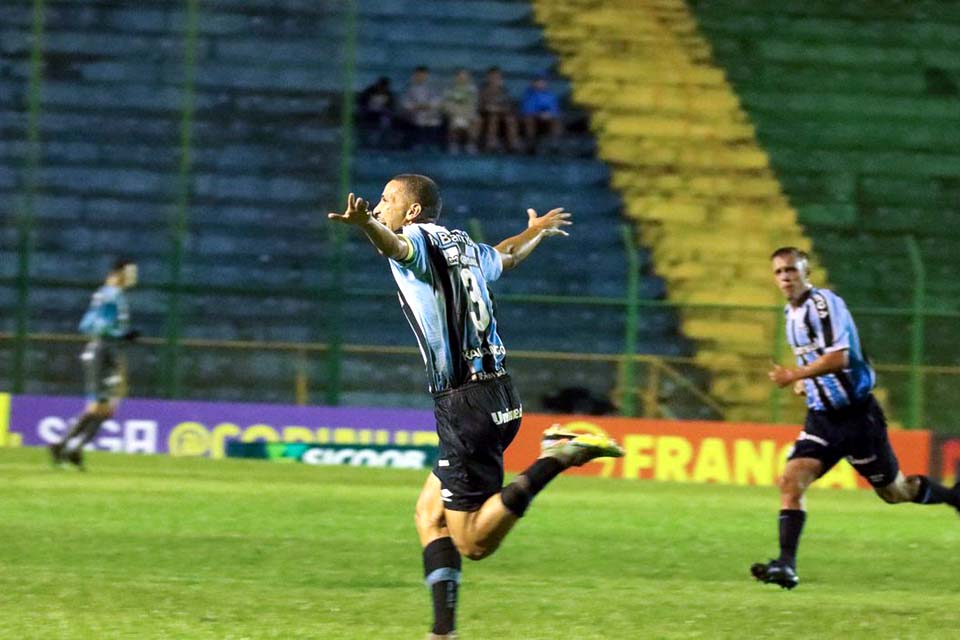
x=821 y=304
x=490 y=350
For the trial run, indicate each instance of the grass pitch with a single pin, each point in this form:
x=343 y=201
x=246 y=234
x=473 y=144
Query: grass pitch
x=154 y=547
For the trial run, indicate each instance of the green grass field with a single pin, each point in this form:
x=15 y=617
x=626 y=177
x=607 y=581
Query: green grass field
x=154 y=547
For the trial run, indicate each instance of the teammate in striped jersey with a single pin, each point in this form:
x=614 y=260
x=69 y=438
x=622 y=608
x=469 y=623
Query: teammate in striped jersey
x=443 y=276
x=843 y=417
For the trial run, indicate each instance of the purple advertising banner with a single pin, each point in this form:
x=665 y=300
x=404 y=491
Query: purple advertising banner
x=203 y=428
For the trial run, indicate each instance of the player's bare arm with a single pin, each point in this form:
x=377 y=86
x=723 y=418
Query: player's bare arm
x=516 y=249
x=828 y=363
x=387 y=242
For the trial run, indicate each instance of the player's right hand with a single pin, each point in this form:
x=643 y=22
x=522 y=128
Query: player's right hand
x=356 y=212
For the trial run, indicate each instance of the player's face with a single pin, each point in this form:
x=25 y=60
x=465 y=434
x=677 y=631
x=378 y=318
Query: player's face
x=393 y=207
x=790 y=274
x=129 y=277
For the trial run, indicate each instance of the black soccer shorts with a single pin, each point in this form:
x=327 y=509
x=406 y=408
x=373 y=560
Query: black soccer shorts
x=102 y=371
x=857 y=433
x=475 y=423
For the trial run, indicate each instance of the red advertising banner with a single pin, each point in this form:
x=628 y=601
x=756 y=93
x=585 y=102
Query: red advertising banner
x=949 y=460
x=689 y=451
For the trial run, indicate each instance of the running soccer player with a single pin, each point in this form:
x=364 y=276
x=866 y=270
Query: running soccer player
x=106 y=323
x=442 y=277
x=843 y=417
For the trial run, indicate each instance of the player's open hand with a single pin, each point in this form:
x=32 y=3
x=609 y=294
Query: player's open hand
x=781 y=377
x=357 y=212
x=551 y=223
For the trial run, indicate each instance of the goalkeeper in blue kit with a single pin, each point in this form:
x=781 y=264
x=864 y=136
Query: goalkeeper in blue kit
x=107 y=325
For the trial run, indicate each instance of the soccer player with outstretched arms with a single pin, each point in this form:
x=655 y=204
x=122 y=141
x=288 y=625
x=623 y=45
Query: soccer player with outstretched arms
x=442 y=276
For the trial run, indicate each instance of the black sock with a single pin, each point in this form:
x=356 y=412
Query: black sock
x=517 y=495
x=441 y=571
x=81 y=427
x=90 y=430
x=791 y=525
x=932 y=492
x=78 y=427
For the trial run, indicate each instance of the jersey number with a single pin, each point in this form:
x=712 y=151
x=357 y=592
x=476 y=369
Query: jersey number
x=478 y=309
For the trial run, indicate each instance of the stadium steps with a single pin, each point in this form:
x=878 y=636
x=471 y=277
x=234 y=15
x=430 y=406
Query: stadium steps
x=265 y=132
x=490 y=194
x=858 y=110
x=684 y=156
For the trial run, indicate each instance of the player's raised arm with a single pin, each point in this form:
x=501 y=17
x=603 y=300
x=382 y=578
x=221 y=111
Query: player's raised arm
x=516 y=249
x=387 y=242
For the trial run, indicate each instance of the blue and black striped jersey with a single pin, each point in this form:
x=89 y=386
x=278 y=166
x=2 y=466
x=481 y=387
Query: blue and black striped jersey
x=822 y=324
x=444 y=295
x=108 y=315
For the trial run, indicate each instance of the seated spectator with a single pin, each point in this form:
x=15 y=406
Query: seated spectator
x=376 y=108
x=497 y=112
x=460 y=107
x=421 y=105
x=540 y=108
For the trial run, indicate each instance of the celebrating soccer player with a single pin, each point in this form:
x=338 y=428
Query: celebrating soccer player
x=442 y=277
x=843 y=418
x=106 y=323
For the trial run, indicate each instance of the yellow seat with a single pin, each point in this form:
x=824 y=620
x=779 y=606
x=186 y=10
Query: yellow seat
x=685 y=159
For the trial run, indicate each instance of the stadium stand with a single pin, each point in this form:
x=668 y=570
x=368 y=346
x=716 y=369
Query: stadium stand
x=265 y=152
x=858 y=108
x=111 y=124
x=699 y=187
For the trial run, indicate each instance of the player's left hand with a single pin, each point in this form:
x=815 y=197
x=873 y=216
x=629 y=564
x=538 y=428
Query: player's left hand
x=550 y=223
x=782 y=377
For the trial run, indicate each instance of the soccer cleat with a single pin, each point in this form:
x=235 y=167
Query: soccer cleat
x=56 y=454
x=448 y=636
x=554 y=433
x=575 y=449
x=776 y=572
x=75 y=457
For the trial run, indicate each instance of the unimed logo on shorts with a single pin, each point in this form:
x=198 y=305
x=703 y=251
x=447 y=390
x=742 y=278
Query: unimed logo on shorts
x=505 y=416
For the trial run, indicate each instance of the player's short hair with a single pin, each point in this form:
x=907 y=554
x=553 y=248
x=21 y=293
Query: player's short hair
x=424 y=192
x=794 y=252
x=120 y=264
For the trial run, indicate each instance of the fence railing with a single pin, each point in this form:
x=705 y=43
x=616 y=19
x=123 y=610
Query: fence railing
x=637 y=384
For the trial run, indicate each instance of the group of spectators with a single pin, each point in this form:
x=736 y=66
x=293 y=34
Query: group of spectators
x=462 y=118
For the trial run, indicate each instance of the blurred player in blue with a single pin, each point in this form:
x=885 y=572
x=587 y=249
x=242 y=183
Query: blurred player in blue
x=107 y=325
x=442 y=276
x=844 y=420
